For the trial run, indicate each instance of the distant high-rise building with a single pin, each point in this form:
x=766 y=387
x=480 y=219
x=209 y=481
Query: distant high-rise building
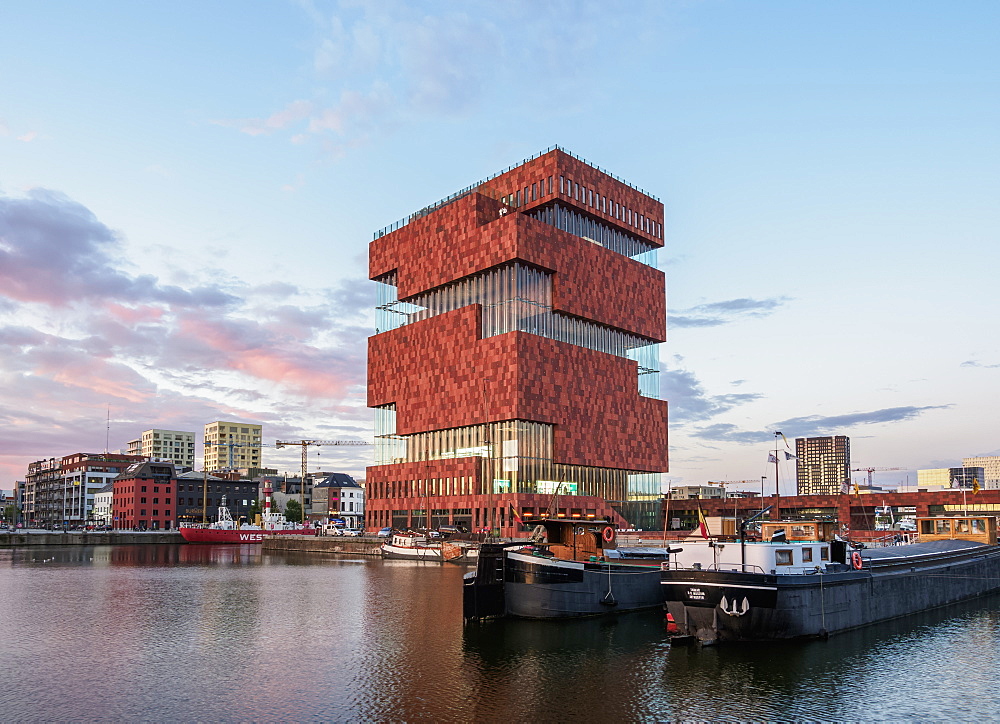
x=991 y=469
x=232 y=445
x=176 y=446
x=824 y=464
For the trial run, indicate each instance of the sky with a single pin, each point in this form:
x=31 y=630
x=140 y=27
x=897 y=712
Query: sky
x=188 y=189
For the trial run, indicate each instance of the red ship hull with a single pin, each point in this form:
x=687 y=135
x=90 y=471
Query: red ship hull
x=211 y=535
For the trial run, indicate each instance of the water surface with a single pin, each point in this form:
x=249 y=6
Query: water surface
x=227 y=633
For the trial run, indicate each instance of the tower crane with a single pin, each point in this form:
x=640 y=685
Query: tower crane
x=232 y=448
x=304 y=444
x=872 y=470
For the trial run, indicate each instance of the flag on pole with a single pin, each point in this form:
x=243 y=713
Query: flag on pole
x=845 y=488
x=771 y=458
x=789 y=456
x=975 y=486
x=702 y=523
x=514 y=515
x=857 y=490
x=782 y=437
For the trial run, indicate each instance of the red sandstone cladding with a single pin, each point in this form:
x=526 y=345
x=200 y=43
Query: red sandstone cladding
x=440 y=375
x=470 y=236
x=580 y=177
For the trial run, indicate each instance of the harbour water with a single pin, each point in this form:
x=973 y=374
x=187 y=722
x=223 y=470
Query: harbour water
x=226 y=633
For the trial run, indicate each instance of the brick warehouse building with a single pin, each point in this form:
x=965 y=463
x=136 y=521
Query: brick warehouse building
x=144 y=497
x=514 y=363
x=856 y=511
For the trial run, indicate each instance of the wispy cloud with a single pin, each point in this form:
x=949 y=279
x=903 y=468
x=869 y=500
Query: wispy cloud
x=689 y=402
x=716 y=314
x=160 y=355
x=813 y=425
x=54 y=251
x=974 y=363
x=379 y=66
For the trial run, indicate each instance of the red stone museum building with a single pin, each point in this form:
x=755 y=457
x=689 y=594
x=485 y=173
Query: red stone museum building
x=515 y=362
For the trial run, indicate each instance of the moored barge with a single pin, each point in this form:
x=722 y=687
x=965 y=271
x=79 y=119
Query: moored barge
x=569 y=568
x=785 y=588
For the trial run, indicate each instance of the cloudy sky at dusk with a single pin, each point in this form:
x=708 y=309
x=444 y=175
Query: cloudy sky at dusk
x=187 y=192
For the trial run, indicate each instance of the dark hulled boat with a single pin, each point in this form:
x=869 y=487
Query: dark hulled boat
x=572 y=567
x=784 y=589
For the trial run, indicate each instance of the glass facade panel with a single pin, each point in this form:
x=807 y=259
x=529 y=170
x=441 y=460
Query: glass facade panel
x=595 y=231
x=516 y=456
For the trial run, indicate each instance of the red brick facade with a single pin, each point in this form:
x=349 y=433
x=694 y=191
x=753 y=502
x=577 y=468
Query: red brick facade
x=440 y=373
x=470 y=235
x=857 y=511
x=144 y=497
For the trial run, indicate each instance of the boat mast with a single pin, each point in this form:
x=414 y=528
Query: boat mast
x=777 y=479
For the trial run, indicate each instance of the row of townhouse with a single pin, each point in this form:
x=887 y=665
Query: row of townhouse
x=134 y=492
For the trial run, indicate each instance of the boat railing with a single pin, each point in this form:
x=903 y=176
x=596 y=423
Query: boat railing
x=722 y=566
x=893 y=539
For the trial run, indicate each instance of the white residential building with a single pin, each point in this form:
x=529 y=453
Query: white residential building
x=174 y=446
x=102 y=504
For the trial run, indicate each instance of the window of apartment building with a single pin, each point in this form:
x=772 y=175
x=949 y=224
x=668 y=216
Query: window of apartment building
x=142 y=500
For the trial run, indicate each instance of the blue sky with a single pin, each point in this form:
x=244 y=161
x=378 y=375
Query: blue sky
x=187 y=191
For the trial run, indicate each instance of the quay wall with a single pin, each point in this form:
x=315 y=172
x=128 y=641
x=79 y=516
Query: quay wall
x=324 y=544
x=93 y=538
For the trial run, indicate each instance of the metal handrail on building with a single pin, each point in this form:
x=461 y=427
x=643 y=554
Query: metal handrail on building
x=473 y=187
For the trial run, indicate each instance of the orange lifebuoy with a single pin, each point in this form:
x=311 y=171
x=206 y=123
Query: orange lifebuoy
x=608 y=534
x=856 y=561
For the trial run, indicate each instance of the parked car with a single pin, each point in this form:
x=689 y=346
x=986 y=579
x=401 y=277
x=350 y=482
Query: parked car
x=385 y=533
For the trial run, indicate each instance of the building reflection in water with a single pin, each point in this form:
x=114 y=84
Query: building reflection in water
x=196 y=633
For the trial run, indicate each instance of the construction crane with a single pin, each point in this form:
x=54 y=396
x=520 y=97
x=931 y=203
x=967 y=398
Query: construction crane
x=872 y=470
x=232 y=448
x=304 y=444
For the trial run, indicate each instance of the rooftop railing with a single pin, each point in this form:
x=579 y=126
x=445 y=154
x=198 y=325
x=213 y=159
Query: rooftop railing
x=469 y=189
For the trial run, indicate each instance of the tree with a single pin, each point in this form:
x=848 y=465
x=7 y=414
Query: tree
x=10 y=514
x=293 y=511
x=254 y=511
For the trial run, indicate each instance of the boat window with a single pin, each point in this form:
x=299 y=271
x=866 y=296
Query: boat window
x=943 y=526
x=824 y=554
x=807 y=555
x=978 y=525
x=961 y=526
x=927 y=526
x=783 y=557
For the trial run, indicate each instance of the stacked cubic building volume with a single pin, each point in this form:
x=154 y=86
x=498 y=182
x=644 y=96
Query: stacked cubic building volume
x=514 y=369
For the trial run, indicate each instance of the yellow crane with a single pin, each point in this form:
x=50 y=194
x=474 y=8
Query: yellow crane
x=872 y=470
x=305 y=444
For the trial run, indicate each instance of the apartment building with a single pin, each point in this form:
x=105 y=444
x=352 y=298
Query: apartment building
x=232 y=446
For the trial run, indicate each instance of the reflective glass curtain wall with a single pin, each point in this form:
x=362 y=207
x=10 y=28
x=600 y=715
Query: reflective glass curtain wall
x=516 y=457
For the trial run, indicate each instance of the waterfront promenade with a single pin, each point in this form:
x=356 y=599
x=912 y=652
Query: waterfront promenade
x=38 y=537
